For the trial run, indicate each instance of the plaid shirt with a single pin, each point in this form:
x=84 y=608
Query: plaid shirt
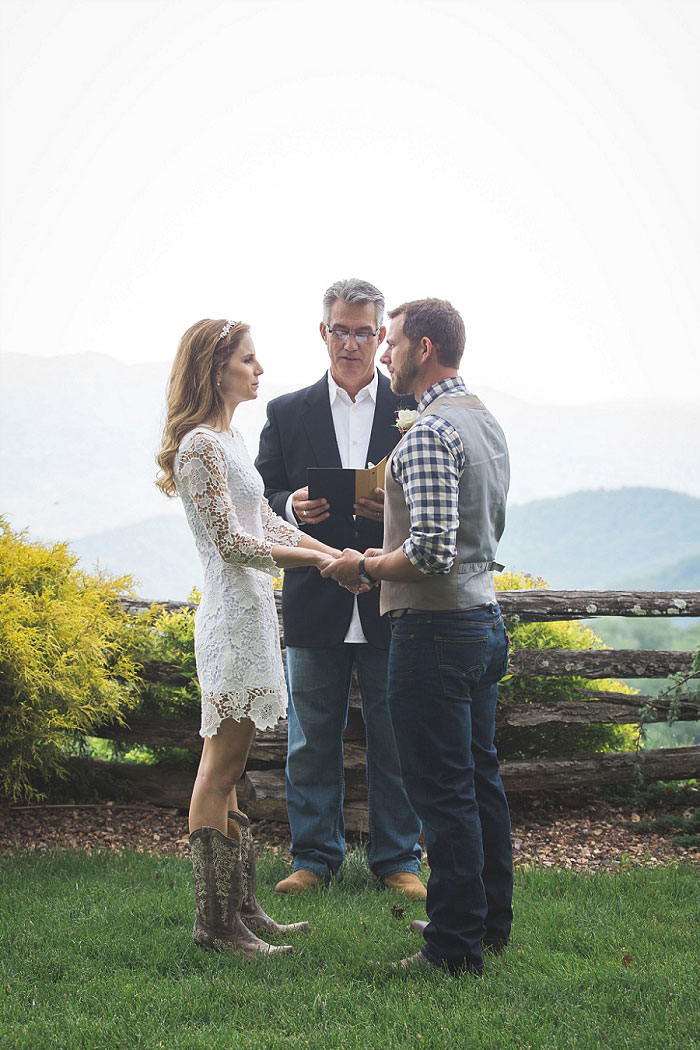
x=428 y=466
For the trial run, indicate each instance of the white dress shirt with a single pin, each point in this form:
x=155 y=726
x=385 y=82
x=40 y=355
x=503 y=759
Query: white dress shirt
x=352 y=422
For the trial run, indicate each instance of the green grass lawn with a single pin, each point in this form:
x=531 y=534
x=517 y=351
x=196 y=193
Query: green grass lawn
x=95 y=954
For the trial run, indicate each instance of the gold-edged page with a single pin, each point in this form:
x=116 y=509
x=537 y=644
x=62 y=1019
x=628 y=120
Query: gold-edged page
x=369 y=479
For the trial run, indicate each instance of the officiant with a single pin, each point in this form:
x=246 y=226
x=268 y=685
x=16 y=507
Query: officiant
x=346 y=419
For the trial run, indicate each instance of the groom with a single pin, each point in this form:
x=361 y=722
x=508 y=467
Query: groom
x=446 y=485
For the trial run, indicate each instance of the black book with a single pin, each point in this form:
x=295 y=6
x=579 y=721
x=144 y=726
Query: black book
x=343 y=487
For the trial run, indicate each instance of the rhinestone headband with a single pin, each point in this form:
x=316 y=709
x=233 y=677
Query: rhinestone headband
x=226 y=329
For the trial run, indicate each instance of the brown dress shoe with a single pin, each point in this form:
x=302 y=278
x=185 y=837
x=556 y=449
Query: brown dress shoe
x=419 y=961
x=418 y=925
x=299 y=881
x=415 y=962
x=407 y=883
x=495 y=947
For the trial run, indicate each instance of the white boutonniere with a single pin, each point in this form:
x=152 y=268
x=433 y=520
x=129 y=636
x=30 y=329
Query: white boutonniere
x=405 y=418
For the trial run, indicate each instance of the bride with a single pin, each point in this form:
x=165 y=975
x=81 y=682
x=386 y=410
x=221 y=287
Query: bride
x=242 y=545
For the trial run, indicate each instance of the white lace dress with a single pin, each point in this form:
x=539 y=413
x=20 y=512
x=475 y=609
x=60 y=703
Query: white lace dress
x=239 y=664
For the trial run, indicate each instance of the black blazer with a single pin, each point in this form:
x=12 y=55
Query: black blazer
x=299 y=433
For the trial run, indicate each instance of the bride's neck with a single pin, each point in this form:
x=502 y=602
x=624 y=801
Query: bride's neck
x=222 y=422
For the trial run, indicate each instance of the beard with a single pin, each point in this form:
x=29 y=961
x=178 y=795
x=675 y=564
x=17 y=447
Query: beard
x=403 y=379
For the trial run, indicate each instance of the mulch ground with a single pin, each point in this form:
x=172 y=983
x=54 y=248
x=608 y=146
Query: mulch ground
x=583 y=835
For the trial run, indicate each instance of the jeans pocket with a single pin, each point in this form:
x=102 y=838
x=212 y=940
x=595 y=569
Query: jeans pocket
x=401 y=632
x=506 y=658
x=498 y=663
x=460 y=664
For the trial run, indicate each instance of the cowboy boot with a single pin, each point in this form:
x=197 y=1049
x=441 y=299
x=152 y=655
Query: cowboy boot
x=218 y=890
x=251 y=912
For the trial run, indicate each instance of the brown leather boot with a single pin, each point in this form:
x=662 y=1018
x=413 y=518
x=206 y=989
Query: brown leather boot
x=299 y=881
x=218 y=891
x=407 y=883
x=251 y=913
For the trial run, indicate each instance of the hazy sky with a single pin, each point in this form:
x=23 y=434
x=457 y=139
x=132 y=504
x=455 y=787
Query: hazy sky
x=535 y=161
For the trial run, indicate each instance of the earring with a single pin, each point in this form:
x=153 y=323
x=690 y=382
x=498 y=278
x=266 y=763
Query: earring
x=218 y=382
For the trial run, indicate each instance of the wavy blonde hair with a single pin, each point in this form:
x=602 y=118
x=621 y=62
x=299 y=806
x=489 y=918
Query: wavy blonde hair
x=192 y=396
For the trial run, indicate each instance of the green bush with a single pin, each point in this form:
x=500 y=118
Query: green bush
x=170 y=638
x=67 y=659
x=541 y=741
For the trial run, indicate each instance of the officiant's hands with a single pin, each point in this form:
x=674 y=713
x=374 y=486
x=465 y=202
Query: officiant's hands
x=371 y=508
x=309 y=511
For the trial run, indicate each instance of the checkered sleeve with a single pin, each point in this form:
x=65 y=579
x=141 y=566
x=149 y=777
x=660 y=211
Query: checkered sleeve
x=428 y=466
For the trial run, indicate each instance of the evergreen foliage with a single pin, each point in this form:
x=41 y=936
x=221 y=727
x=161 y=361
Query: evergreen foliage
x=67 y=658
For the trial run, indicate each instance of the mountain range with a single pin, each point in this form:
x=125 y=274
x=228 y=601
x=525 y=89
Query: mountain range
x=632 y=538
x=601 y=496
x=78 y=436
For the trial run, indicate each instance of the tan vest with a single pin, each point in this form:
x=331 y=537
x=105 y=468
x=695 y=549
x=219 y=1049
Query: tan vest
x=483 y=487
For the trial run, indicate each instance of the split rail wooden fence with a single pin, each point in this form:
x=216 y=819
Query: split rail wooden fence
x=262 y=788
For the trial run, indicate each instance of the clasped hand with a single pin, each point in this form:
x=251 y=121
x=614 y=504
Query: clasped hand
x=345 y=569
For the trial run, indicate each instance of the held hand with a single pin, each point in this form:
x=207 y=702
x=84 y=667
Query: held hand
x=345 y=570
x=373 y=552
x=324 y=561
x=309 y=511
x=371 y=508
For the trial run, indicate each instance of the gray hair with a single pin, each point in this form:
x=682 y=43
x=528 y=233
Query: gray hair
x=353 y=291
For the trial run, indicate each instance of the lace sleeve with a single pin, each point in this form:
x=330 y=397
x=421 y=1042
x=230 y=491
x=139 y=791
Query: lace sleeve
x=202 y=469
x=277 y=530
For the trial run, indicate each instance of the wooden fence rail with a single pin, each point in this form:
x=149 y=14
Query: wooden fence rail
x=540 y=606
x=527 y=663
x=262 y=788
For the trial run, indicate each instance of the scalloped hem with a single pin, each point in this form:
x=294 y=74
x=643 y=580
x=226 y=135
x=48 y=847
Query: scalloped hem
x=273 y=711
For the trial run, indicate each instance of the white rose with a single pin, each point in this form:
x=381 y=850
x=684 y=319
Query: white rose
x=405 y=418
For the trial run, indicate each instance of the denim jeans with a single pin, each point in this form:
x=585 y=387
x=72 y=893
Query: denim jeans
x=319 y=686
x=444 y=669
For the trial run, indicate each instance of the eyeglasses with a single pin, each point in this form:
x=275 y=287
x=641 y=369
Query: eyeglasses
x=343 y=334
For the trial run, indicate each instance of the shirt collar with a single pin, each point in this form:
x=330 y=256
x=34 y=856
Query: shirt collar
x=367 y=391
x=451 y=385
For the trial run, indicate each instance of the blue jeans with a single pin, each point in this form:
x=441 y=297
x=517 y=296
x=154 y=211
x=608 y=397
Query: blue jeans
x=319 y=687
x=444 y=669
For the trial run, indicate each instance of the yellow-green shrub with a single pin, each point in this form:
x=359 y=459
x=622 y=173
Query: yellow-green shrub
x=66 y=658
x=539 y=741
x=170 y=638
